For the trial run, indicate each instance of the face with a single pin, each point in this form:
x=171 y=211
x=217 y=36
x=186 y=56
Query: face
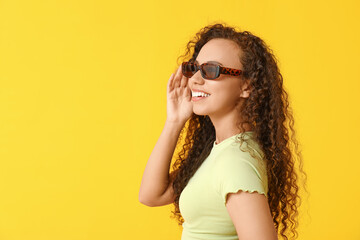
x=224 y=91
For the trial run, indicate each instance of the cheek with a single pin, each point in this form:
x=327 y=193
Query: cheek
x=225 y=92
x=226 y=95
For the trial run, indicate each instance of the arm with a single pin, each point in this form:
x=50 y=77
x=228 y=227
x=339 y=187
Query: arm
x=251 y=216
x=241 y=183
x=156 y=184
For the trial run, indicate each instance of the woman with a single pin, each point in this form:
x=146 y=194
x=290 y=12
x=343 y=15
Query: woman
x=234 y=177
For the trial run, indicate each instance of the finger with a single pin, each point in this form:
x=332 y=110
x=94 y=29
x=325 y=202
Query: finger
x=177 y=78
x=171 y=82
x=187 y=93
x=184 y=81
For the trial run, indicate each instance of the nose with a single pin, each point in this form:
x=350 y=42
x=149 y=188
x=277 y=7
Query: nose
x=197 y=79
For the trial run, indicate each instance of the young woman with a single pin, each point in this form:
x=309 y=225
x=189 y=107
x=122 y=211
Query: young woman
x=234 y=177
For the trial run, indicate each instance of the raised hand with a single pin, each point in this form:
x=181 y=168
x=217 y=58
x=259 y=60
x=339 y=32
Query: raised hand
x=179 y=105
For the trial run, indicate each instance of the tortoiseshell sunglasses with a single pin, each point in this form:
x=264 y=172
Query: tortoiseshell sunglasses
x=208 y=71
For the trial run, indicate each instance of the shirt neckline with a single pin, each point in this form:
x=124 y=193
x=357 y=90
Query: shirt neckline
x=215 y=146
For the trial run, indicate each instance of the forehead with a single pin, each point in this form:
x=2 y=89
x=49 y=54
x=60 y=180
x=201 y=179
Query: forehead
x=224 y=51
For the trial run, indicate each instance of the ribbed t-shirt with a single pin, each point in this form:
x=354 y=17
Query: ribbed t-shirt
x=226 y=169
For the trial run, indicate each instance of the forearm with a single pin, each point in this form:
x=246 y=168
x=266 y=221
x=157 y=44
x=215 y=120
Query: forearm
x=155 y=179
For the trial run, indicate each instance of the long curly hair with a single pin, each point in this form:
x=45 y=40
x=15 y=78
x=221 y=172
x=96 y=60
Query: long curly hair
x=266 y=110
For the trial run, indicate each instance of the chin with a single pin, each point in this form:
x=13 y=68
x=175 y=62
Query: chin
x=200 y=112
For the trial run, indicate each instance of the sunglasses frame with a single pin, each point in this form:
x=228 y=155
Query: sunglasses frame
x=219 y=70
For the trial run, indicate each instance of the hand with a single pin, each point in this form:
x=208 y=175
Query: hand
x=179 y=105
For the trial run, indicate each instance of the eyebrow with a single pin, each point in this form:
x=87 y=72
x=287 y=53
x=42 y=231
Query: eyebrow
x=211 y=62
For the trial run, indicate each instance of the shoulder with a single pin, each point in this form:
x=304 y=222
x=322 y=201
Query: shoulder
x=244 y=158
x=240 y=166
x=236 y=170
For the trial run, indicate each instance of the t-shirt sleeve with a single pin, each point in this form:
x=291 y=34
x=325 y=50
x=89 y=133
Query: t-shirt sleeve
x=233 y=172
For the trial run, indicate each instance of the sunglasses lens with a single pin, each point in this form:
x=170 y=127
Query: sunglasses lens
x=188 y=69
x=210 y=71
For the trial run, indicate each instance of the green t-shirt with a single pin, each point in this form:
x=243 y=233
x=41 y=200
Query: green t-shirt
x=226 y=169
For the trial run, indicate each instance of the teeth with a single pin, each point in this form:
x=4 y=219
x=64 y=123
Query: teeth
x=200 y=94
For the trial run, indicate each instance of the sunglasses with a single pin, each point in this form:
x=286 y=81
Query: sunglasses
x=208 y=71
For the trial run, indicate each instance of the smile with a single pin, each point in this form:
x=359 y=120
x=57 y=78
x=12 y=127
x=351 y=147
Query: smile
x=199 y=94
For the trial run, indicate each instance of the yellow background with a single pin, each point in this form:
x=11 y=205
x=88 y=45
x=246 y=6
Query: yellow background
x=83 y=102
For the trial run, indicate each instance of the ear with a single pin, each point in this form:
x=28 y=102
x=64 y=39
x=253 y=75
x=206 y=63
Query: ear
x=245 y=89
